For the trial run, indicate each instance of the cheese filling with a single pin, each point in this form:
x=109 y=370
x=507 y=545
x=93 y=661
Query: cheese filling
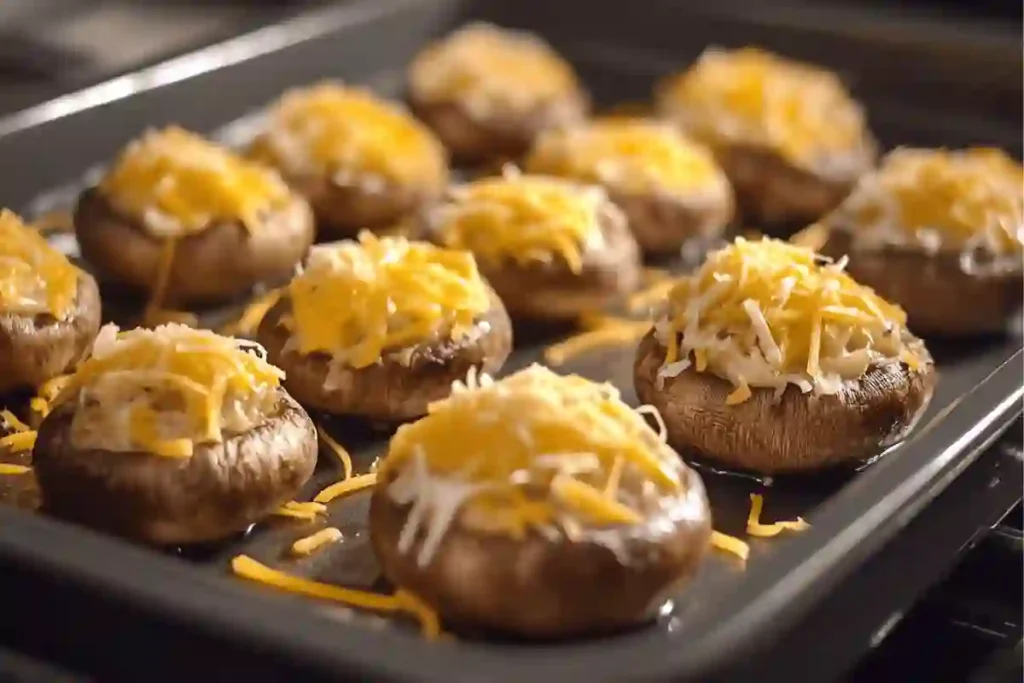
x=351 y=136
x=176 y=183
x=969 y=201
x=35 y=278
x=633 y=156
x=753 y=97
x=491 y=71
x=525 y=219
x=165 y=390
x=357 y=300
x=770 y=314
x=533 y=451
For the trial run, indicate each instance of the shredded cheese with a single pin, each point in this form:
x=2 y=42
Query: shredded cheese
x=253 y=315
x=176 y=183
x=345 y=487
x=35 y=278
x=162 y=391
x=534 y=449
x=759 y=530
x=19 y=441
x=750 y=96
x=491 y=71
x=308 y=511
x=813 y=237
x=402 y=601
x=310 y=544
x=12 y=422
x=631 y=156
x=339 y=451
x=351 y=136
x=525 y=219
x=769 y=314
x=964 y=200
x=731 y=545
x=605 y=332
x=13 y=470
x=357 y=300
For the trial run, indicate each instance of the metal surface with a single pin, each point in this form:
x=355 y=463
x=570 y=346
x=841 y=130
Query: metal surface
x=183 y=612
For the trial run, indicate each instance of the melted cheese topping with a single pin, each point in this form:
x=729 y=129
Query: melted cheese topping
x=633 y=156
x=769 y=314
x=162 y=391
x=353 y=137
x=491 y=71
x=359 y=299
x=967 y=200
x=525 y=219
x=35 y=278
x=176 y=183
x=750 y=96
x=534 y=450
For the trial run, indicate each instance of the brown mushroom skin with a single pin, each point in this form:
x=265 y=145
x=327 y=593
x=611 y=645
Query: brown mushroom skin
x=551 y=292
x=663 y=224
x=34 y=349
x=215 y=265
x=388 y=391
x=548 y=587
x=341 y=211
x=219 y=491
x=794 y=434
x=472 y=139
x=781 y=196
x=939 y=297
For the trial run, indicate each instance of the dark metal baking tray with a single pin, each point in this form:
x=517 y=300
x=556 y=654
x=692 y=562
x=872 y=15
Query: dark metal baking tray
x=182 y=615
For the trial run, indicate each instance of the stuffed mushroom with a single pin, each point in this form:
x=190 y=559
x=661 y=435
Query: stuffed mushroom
x=488 y=91
x=172 y=436
x=362 y=162
x=789 y=136
x=552 y=249
x=189 y=223
x=941 y=233
x=49 y=309
x=670 y=189
x=538 y=505
x=772 y=359
x=380 y=327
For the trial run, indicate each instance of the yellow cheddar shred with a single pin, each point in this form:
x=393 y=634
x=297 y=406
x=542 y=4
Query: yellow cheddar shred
x=8 y=469
x=358 y=300
x=954 y=200
x=631 y=156
x=35 y=278
x=731 y=545
x=525 y=219
x=769 y=314
x=176 y=183
x=607 y=331
x=345 y=487
x=755 y=97
x=310 y=544
x=352 y=136
x=308 y=511
x=531 y=450
x=11 y=421
x=19 y=441
x=402 y=601
x=162 y=391
x=759 y=530
x=339 y=451
x=488 y=70
x=253 y=315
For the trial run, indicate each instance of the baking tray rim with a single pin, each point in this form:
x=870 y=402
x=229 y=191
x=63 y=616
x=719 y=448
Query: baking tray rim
x=107 y=565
